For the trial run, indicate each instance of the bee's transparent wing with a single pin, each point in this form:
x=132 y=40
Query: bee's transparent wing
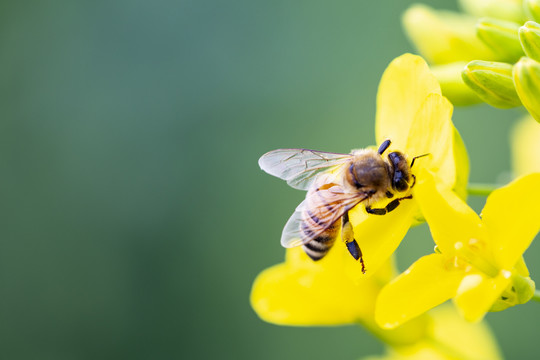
x=299 y=167
x=292 y=235
x=331 y=204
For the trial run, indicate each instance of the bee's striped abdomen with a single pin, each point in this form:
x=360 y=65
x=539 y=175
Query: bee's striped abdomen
x=320 y=226
x=319 y=246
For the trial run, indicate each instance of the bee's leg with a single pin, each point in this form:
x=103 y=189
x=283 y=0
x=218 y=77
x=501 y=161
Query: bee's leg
x=385 y=210
x=347 y=234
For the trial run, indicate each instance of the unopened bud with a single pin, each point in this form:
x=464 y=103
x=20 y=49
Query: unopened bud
x=452 y=85
x=529 y=35
x=492 y=82
x=527 y=82
x=502 y=37
x=532 y=9
x=519 y=291
x=444 y=37
x=499 y=9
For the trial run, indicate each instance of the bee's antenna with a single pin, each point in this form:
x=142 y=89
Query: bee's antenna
x=384 y=146
x=416 y=157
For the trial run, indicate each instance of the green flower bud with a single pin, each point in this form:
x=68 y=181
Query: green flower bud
x=452 y=85
x=444 y=37
x=527 y=82
x=529 y=35
x=524 y=287
x=492 y=82
x=502 y=37
x=510 y=10
x=520 y=290
x=532 y=9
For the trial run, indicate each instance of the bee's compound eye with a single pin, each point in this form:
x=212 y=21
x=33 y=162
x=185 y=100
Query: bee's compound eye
x=400 y=177
x=399 y=183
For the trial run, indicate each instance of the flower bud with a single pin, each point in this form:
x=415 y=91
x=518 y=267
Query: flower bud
x=444 y=37
x=520 y=290
x=452 y=85
x=529 y=35
x=502 y=37
x=527 y=82
x=510 y=10
x=492 y=82
x=532 y=9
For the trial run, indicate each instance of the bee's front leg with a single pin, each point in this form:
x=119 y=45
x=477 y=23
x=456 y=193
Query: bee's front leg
x=385 y=210
x=347 y=235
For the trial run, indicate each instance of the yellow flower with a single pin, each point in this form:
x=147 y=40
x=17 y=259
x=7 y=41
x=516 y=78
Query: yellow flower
x=479 y=260
x=449 y=338
x=447 y=39
x=413 y=114
x=301 y=292
x=525 y=141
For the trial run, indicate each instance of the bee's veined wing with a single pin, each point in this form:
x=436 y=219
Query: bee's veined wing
x=292 y=234
x=331 y=204
x=299 y=167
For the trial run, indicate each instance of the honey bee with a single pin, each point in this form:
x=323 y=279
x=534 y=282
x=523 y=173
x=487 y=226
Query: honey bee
x=335 y=184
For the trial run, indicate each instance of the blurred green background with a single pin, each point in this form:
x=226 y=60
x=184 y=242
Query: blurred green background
x=134 y=217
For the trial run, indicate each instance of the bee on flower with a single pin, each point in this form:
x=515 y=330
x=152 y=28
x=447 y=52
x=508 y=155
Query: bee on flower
x=336 y=183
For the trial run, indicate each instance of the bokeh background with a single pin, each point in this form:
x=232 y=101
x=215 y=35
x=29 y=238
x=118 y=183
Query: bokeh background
x=134 y=217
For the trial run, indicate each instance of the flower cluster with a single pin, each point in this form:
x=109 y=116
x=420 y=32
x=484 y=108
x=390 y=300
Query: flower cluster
x=490 y=53
x=478 y=258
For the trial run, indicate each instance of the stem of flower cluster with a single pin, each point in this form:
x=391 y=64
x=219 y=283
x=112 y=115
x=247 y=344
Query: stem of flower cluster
x=536 y=296
x=481 y=189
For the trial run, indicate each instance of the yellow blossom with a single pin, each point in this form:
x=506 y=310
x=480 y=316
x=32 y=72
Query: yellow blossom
x=413 y=114
x=479 y=260
x=449 y=337
x=489 y=32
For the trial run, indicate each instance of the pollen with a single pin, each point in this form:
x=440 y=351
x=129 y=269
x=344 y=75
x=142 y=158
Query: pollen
x=476 y=245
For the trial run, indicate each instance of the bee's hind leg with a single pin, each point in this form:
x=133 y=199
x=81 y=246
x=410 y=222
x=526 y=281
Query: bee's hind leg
x=347 y=234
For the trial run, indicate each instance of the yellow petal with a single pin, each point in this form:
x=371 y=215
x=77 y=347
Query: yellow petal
x=512 y=220
x=430 y=281
x=443 y=209
x=403 y=89
x=525 y=141
x=449 y=337
x=462 y=166
x=303 y=292
x=477 y=293
x=378 y=235
x=466 y=340
x=432 y=132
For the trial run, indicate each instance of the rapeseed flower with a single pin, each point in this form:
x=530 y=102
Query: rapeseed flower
x=471 y=52
x=478 y=262
x=413 y=114
x=447 y=337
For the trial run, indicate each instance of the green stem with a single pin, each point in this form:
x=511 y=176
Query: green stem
x=481 y=189
x=536 y=296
